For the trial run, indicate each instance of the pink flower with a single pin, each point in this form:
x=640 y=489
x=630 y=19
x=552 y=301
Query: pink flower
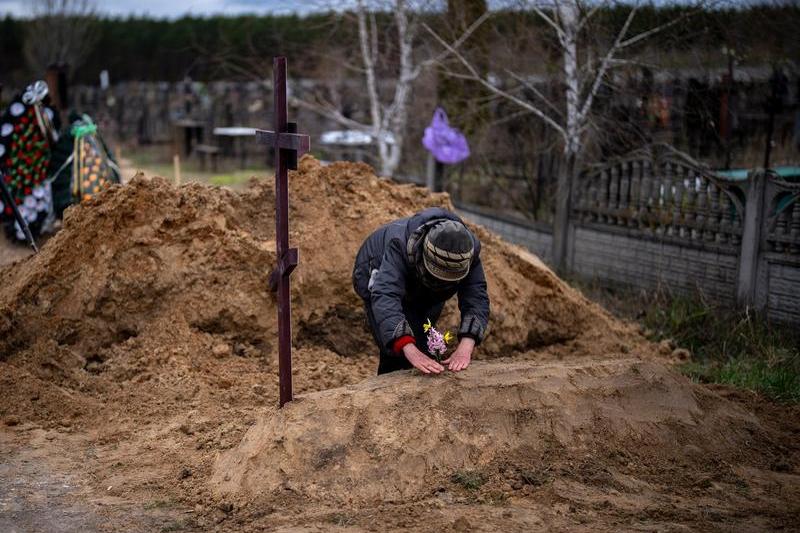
x=437 y=342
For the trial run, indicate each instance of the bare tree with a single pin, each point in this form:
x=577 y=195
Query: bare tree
x=570 y=118
x=388 y=110
x=385 y=58
x=388 y=121
x=387 y=116
x=61 y=32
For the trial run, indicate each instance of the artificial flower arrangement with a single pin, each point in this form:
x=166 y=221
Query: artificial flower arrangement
x=437 y=341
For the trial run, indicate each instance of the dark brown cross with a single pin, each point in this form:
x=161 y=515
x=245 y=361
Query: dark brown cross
x=288 y=146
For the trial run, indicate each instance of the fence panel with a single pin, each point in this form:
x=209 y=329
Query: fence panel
x=662 y=194
x=777 y=288
x=657 y=218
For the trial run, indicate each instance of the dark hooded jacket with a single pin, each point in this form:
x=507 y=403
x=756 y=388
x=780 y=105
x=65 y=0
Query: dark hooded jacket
x=394 y=250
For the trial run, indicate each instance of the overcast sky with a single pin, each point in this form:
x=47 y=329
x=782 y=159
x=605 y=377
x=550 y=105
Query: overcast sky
x=172 y=8
x=177 y=8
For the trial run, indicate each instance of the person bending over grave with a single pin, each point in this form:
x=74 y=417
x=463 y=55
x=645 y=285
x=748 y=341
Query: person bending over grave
x=405 y=272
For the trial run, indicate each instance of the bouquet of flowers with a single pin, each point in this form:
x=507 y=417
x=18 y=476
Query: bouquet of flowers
x=437 y=341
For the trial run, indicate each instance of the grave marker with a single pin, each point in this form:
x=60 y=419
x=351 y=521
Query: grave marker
x=288 y=146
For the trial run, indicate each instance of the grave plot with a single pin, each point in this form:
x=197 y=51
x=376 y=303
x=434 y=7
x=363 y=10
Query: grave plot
x=139 y=350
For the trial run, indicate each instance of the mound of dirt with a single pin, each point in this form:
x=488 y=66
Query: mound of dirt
x=148 y=280
x=140 y=257
x=138 y=346
x=395 y=439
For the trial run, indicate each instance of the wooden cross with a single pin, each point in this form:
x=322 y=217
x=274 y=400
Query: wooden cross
x=288 y=146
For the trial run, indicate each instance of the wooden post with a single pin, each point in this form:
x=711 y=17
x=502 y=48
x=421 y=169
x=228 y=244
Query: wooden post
x=56 y=78
x=288 y=146
x=435 y=174
x=778 y=88
x=430 y=177
x=176 y=163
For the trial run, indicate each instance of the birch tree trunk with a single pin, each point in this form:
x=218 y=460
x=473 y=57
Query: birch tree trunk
x=568 y=15
x=388 y=125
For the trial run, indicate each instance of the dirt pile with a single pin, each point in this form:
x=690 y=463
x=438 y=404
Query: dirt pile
x=137 y=258
x=600 y=445
x=396 y=439
x=138 y=346
x=148 y=281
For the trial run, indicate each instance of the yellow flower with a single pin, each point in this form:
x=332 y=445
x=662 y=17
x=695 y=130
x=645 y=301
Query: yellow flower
x=448 y=337
x=426 y=326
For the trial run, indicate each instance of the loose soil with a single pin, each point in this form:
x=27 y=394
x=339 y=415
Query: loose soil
x=138 y=364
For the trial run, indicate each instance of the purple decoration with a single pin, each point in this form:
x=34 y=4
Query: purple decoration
x=436 y=343
x=447 y=144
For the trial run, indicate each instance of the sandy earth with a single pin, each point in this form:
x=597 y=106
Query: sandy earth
x=138 y=369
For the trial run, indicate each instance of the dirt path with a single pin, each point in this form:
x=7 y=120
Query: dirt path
x=34 y=496
x=43 y=488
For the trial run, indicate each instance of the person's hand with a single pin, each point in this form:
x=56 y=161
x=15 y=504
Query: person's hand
x=421 y=362
x=460 y=359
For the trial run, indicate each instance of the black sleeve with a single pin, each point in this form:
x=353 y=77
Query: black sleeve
x=387 y=295
x=473 y=302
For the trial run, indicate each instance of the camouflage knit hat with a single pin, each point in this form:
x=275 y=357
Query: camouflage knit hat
x=447 y=251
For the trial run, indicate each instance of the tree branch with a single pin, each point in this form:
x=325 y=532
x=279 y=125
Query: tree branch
x=550 y=21
x=332 y=113
x=645 y=34
x=474 y=76
x=535 y=91
x=585 y=20
x=587 y=103
x=456 y=44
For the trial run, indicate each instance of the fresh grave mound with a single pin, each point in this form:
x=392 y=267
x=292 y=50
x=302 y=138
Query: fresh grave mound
x=148 y=283
x=399 y=437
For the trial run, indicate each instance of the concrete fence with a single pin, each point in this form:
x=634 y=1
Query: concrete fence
x=657 y=218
